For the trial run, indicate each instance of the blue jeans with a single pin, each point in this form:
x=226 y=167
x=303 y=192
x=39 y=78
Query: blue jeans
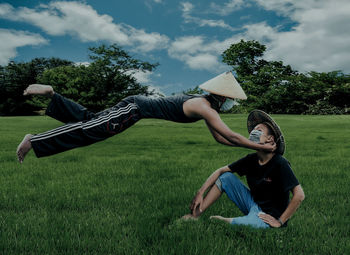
x=241 y=196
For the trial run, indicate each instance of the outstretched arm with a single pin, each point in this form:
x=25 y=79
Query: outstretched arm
x=298 y=197
x=224 y=135
x=218 y=137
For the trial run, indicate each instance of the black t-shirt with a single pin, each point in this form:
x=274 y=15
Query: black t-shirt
x=167 y=108
x=270 y=183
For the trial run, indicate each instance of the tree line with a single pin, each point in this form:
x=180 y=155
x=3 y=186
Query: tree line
x=107 y=79
x=270 y=85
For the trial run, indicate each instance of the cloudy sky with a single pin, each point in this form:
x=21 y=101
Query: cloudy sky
x=186 y=38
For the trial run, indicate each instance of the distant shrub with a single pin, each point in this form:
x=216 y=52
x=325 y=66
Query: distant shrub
x=324 y=108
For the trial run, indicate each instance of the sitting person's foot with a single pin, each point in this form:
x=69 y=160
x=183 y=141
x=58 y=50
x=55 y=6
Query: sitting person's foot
x=189 y=217
x=39 y=89
x=218 y=217
x=24 y=147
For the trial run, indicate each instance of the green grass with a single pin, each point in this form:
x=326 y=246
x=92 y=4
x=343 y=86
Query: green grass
x=124 y=195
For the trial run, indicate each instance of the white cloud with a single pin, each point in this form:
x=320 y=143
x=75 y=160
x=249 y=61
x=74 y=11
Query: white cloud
x=204 y=61
x=82 y=64
x=188 y=44
x=146 y=42
x=140 y=76
x=11 y=40
x=145 y=78
x=228 y=7
x=187 y=7
x=158 y=92
x=197 y=54
x=320 y=40
x=188 y=18
x=82 y=21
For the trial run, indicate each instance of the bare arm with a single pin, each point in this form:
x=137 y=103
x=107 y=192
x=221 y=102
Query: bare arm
x=198 y=199
x=218 y=137
x=215 y=123
x=298 y=197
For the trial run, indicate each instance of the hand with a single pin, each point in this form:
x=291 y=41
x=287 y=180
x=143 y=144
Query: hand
x=268 y=219
x=196 y=202
x=270 y=147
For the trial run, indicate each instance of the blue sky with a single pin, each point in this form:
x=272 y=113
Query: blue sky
x=185 y=37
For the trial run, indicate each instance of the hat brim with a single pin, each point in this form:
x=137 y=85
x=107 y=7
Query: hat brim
x=257 y=117
x=225 y=85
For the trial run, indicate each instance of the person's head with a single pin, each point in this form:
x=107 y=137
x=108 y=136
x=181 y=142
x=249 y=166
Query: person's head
x=262 y=133
x=222 y=103
x=263 y=129
x=224 y=88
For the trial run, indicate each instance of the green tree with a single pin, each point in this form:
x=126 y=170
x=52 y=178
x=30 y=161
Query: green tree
x=243 y=57
x=105 y=81
x=195 y=90
x=15 y=77
x=277 y=88
x=102 y=83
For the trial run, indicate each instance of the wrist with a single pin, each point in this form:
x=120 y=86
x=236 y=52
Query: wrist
x=200 y=192
x=280 y=221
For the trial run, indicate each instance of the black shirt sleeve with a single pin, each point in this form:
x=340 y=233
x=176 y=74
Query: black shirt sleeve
x=286 y=176
x=242 y=165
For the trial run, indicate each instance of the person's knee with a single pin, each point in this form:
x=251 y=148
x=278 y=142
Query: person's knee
x=225 y=176
x=228 y=177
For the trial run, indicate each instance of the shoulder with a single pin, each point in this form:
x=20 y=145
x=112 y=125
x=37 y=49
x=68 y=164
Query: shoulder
x=245 y=164
x=200 y=106
x=249 y=158
x=282 y=165
x=280 y=160
x=252 y=156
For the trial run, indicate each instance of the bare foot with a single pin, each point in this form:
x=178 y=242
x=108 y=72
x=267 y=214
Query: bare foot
x=189 y=217
x=39 y=89
x=23 y=148
x=218 y=217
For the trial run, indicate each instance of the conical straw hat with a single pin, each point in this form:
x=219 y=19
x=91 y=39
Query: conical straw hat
x=224 y=85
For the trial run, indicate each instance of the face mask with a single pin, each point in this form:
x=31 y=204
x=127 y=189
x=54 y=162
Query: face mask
x=254 y=136
x=227 y=105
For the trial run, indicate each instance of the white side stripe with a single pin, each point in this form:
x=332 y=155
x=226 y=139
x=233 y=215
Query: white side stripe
x=34 y=139
x=68 y=126
x=125 y=109
x=56 y=130
x=86 y=125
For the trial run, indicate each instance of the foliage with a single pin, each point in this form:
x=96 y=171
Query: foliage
x=277 y=88
x=15 y=77
x=270 y=85
x=111 y=71
x=193 y=91
x=243 y=56
x=101 y=84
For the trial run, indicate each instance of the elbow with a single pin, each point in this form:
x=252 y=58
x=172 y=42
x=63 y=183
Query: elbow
x=300 y=196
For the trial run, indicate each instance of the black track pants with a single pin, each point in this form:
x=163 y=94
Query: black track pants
x=82 y=126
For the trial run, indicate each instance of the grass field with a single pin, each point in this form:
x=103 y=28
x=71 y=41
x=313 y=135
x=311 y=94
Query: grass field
x=124 y=195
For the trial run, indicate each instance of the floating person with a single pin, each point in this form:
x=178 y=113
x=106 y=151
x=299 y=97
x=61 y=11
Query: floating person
x=83 y=127
x=269 y=176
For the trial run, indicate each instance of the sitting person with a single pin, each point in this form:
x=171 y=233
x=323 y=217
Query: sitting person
x=269 y=176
